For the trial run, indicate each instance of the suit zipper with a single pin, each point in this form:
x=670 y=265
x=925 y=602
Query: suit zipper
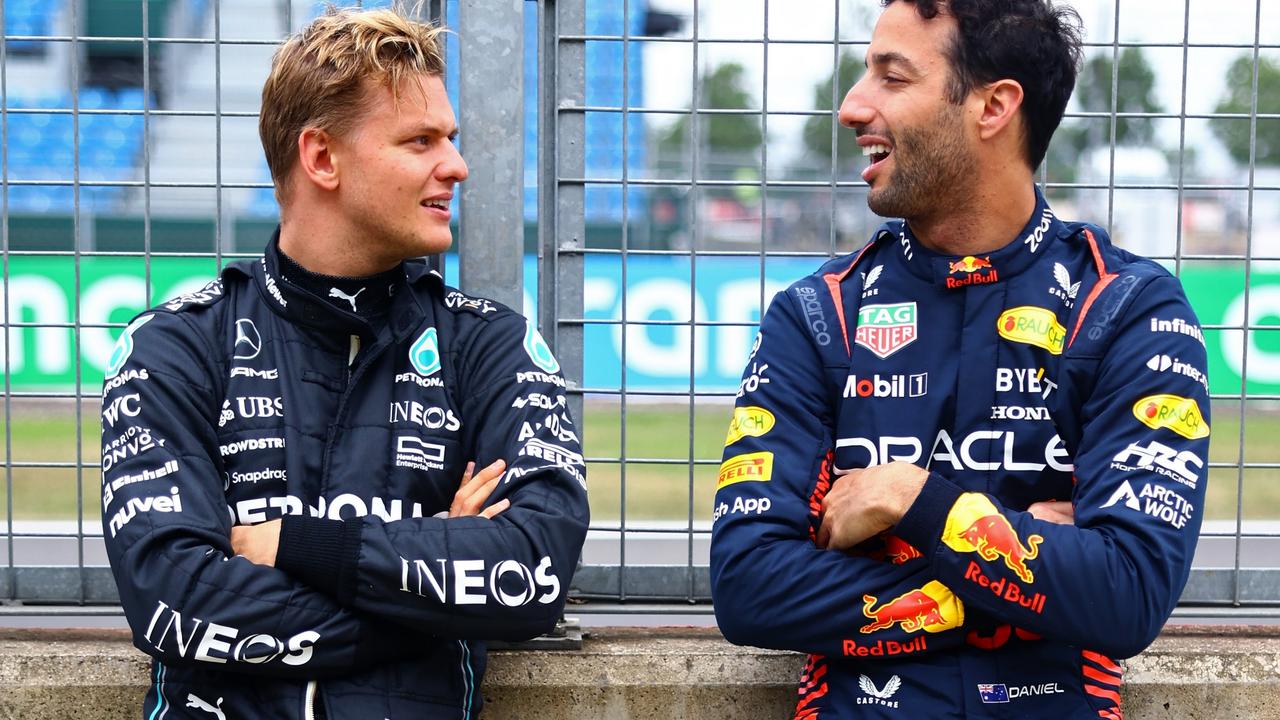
x=353 y=373
x=351 y=354
x=309 y=706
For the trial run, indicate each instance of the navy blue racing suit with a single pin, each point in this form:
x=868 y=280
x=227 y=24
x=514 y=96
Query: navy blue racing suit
x=254 y=399
x=1058 y=367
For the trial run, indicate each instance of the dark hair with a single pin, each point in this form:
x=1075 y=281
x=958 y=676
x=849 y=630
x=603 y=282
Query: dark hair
x=1030 y=41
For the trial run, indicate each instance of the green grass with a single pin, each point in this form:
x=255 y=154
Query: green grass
x=1261 y=498
x=659 y=443
x=45 y=432
x=654 y=491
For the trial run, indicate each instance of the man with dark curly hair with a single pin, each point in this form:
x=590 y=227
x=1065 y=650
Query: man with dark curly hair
x=966 y=467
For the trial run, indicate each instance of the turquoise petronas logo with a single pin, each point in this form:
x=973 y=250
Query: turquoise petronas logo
x=425 y=353
x=124 y=347
x=537 y=348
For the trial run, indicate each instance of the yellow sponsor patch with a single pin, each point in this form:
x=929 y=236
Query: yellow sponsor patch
x=1033 y=326
x=748 y=422
x=749 y=467
x=1172 y=412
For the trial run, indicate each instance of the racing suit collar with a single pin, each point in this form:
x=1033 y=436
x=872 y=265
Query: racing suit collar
x=299 y=305
x=957 y=272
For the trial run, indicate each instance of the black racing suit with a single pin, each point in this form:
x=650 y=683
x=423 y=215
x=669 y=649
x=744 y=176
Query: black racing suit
x=254 y=399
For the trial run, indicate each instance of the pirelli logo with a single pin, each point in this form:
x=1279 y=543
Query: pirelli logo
x=750 y=467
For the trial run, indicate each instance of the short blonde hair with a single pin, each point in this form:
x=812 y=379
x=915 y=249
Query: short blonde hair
x=318 y=76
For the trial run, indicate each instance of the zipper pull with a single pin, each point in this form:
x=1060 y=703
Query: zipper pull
x=355 y=350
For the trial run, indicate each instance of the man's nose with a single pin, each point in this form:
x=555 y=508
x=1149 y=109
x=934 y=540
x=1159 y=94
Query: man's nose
x=855 y=111
x=454 y=167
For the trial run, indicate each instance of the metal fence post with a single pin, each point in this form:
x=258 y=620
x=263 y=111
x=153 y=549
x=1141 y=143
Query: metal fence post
x=490 y=93
x=561 y=219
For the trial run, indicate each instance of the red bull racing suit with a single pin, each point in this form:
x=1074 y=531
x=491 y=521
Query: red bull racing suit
x=1056 y=368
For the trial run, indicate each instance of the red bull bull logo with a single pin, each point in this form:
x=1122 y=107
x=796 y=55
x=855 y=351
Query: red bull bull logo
x=932 y=608
x=898 y=551
x=975 y=525
x=969 y=266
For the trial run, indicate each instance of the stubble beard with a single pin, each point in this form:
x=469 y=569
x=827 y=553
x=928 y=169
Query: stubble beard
x=932 y=164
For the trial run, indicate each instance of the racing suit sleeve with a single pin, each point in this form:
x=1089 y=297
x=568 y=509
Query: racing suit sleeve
x=1110 y=581
x=189 y=600
x=504 y=578
x=772 y=586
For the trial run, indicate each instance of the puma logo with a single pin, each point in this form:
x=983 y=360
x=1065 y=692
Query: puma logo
x=336 y=293
x=197 y=703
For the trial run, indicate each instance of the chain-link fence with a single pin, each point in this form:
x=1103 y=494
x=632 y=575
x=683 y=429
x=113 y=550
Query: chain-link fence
x=679 y=165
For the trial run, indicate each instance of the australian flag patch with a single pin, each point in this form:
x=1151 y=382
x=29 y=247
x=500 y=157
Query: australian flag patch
x=995 y=693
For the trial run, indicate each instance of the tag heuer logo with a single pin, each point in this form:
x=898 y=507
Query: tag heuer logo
x=886 y=329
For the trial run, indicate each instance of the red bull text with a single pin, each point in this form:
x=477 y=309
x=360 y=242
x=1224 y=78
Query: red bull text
x=1005 y=589
x=970 y=265
x=885 y=648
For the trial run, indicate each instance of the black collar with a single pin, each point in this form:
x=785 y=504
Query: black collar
x=292 y=296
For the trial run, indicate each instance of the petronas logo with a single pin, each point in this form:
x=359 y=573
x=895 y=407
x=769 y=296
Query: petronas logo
x=424 y=354
x=537 y=348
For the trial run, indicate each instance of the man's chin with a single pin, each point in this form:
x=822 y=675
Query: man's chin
x=433 y=245
x=885 y=207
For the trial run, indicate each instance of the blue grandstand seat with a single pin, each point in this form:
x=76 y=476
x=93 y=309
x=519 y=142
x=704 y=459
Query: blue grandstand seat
x=92 y=98
x=29 y=17
x=42 y=146
x=130 y=99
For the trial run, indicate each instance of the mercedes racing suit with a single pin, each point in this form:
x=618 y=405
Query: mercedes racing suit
x=1056 y=368
x=254 y=399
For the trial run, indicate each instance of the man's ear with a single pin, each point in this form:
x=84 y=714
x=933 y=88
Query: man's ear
x=316 y=158
x=1000 y=103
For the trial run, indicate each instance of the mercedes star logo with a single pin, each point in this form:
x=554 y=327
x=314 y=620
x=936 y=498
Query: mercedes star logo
x=248 y=341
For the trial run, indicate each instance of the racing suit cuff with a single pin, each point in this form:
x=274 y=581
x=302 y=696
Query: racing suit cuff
x=923 y=522
x=321 y=553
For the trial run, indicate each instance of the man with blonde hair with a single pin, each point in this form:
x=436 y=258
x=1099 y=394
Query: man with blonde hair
x=290 y=505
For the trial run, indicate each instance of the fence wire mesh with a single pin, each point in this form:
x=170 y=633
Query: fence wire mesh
x=681 y=164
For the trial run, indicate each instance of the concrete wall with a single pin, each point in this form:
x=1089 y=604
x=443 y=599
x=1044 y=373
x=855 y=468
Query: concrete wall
x=1190 y=673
